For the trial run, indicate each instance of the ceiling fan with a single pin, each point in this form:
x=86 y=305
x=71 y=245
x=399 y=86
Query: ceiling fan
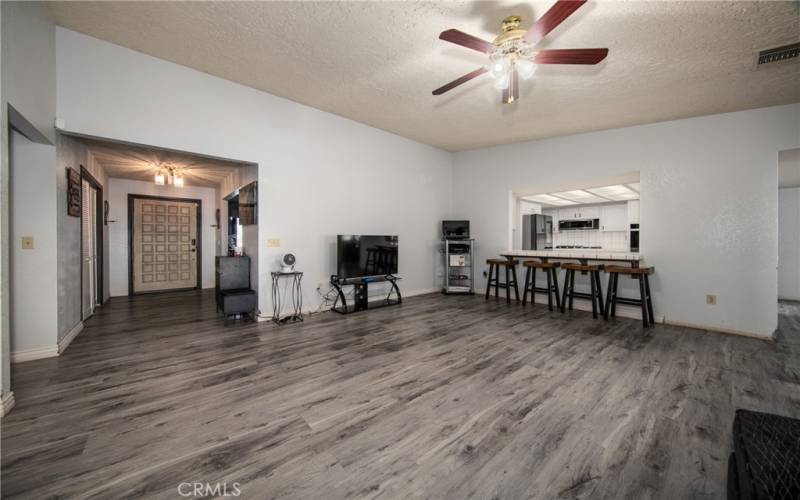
x=512 y=54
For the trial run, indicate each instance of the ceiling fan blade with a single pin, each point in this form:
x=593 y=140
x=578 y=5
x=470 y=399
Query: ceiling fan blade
x=552 y=18
x=570 y=56
x=467 y=40
x=458 y=81
x=511 y=93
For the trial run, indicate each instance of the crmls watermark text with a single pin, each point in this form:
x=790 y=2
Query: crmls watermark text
x=197 y=489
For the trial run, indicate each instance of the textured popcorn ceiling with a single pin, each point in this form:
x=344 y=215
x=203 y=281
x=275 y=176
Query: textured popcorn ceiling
x=128 y=161
x=377 y=62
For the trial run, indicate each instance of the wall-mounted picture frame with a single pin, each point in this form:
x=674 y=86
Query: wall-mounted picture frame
x=73 y=192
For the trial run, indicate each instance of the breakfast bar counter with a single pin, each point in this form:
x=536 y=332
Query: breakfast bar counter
x=581 y=254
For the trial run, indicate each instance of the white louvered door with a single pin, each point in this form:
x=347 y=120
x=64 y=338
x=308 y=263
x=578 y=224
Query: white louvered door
x=89 y=248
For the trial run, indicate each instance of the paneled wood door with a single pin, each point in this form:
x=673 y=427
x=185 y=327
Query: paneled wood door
x=164 y=244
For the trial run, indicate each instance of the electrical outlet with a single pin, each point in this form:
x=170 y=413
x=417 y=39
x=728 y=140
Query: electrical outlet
x=27 y=242
x=711 y=300
x=273 y=242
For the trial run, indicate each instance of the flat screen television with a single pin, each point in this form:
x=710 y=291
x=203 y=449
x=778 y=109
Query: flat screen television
x=360 y=256
x=455 y=229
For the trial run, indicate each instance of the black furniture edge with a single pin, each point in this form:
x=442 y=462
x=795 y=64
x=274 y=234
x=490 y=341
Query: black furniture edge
x=234 y=295
x=361 y=300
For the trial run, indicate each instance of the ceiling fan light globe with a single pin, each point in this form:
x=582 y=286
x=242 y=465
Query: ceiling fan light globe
x=502 y=82
x=498 y=67
x=525 y=68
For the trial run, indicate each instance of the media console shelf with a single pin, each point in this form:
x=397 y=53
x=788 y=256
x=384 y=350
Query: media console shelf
x=361 y=300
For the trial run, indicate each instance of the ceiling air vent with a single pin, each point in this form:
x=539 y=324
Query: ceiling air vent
x=785 y=53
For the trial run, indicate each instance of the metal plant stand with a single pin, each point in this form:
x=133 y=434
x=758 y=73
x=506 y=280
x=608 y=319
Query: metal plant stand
x=292 y=284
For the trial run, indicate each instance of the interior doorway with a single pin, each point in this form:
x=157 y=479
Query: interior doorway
x=164 y=244
x=91 y=244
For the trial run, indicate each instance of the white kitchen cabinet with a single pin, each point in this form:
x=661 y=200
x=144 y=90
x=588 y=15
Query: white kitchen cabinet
x=614 y=217
x=588 y=212
x=633 y=212
x=579 y=212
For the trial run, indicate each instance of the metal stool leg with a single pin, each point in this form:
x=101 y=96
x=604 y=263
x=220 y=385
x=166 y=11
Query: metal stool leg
x=549 y=290
x=496 y=281
x=609 y=294
x=516 y=288
x=525 y=287
x=508 y=290
x=643 y=295
x=555 y=287
x=600 y=304
x=566 y=289
x=649 y=300
x=614 y=302
x=489 y=281
x=594 y=295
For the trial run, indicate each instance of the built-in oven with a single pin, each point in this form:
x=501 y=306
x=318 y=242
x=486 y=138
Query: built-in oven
x=634 y=237
x=578 y=224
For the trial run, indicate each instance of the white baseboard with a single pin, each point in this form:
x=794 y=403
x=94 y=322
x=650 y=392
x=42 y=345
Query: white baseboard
x=69 y=337
x=769 y=337
x=47 y=351
x=36 y=353
x=6 y=403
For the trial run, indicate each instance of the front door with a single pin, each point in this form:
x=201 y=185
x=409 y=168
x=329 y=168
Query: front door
x=164 y=244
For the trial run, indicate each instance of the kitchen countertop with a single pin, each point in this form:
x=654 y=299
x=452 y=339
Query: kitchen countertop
x=576 y=253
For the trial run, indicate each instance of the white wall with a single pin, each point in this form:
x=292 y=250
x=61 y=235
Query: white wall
x=789 y=243
x=360 y=179
x=118 y=190
x=708 y=208
x=34 y=276
x=27 y=82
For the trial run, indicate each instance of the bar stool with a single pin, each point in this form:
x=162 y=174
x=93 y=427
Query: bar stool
x=644 y=301
x=511 y=267
x=594 y=278
x=551 y=270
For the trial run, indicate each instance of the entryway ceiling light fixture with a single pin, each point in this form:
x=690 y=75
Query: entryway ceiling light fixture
x=169 y=174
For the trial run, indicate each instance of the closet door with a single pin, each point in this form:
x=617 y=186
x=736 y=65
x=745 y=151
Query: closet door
x=89 y=248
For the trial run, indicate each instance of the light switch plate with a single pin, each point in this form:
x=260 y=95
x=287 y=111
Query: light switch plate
x=27 y=242
x=273 y=242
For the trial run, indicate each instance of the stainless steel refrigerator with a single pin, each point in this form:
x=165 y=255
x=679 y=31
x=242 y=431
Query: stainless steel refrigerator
x=537 y=232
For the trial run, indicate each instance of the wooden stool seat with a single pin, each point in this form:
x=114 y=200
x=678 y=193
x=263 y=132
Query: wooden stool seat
x=541 y=265
x=633 y=271
x=502 y=262
x=510 y=266
x=584 y=268
x=645 y=301
x=596 y=295
x=551 y=271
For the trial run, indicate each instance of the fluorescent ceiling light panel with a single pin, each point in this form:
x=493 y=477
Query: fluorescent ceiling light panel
x=580 y=196
x=548 y=199
x=617 y=192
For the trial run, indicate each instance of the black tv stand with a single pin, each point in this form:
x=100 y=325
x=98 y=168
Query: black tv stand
x=361 y=293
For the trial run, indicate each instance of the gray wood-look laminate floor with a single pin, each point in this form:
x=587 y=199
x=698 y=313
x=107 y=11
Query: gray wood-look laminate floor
x=443 y=397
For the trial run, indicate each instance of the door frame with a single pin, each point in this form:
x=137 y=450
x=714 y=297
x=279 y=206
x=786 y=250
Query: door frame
x=100 y=257
x=198 y=247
